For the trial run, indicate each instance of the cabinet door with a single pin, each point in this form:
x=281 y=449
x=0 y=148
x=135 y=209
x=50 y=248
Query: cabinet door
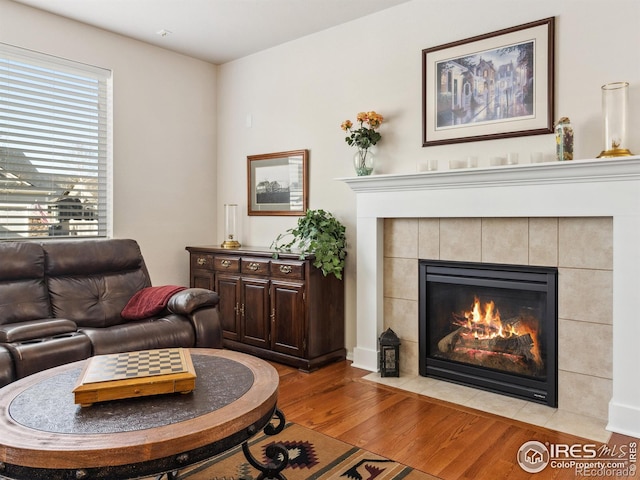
x=202 y=279
x=288 y=318
x=255 y=312
x=228 y=287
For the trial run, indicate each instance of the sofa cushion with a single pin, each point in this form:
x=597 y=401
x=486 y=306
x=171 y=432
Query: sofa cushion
x=94 y=300
x=163 y=332
x=23 y=291
x=91 y=281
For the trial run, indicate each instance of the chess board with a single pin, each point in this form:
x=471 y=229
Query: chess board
x=135 y=374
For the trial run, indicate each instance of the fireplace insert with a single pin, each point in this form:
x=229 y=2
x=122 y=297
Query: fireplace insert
x=490 y=326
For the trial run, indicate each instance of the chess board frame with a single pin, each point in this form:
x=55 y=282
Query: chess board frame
x=104 y=379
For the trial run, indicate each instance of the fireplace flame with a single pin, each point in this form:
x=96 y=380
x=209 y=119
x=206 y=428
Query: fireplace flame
x=483 y=322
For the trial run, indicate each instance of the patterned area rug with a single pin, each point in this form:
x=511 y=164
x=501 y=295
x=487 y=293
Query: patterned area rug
x=312 y=455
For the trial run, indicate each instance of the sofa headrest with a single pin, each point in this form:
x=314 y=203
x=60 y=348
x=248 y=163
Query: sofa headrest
x=21 y=261
x=23 y=292
x=92 y=257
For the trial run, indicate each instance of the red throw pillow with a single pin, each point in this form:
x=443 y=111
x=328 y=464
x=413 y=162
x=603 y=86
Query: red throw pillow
x=149 y=301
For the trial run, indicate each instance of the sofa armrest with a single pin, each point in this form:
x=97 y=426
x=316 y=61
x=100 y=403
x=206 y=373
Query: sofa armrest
x=201 y=307
x=188 y=301
x=34 y=329
x=206 y=323
x=7 y=371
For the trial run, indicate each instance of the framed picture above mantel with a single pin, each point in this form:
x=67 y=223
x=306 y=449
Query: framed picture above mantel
x=491 y=86
x=277 y=183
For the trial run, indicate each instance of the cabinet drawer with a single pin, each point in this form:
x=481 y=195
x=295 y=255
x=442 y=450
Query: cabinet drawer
x=283 y=269
x=227 y=264
x=201 y=261
x=255 y=266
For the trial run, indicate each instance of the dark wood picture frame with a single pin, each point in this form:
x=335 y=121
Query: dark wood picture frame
x=277 y=183
x=491 y=86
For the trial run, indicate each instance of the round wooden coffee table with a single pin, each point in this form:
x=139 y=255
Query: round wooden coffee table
x=45 y=435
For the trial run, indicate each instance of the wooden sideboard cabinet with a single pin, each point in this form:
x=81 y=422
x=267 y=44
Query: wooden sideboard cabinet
x=281 y=309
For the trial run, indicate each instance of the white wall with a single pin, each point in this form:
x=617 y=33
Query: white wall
x=164 y=125
x=297 y=95
x=175 y=117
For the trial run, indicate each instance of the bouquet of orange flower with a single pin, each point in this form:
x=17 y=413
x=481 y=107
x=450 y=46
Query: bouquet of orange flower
x=364 y=136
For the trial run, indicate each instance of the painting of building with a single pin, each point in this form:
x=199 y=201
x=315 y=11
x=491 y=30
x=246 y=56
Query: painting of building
x=491 y=86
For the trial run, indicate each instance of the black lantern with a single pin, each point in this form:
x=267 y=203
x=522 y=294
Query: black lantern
x=389 y=354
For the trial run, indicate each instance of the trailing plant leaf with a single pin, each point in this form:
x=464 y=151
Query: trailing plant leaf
x=320 y=233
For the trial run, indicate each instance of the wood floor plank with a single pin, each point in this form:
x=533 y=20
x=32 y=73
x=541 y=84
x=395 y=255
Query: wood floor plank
x=393 y=426
x=443 y=439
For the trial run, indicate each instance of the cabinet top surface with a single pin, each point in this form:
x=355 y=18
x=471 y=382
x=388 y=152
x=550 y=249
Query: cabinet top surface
x=254 y=251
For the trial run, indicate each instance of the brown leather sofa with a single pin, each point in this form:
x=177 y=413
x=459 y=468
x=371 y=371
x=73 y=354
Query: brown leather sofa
x=63 y=300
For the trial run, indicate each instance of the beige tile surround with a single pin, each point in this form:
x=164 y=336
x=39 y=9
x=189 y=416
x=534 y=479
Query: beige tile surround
x=581 y=248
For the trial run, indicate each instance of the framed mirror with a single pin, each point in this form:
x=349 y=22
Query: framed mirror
x=277 y=183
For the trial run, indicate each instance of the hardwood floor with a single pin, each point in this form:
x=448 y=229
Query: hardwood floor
x=436 y=437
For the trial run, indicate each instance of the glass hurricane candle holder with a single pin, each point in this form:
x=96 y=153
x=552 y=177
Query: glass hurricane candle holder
x=615 y=98
x=230 y=226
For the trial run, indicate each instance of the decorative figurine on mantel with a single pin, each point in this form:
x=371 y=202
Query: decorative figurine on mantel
x=564 y=139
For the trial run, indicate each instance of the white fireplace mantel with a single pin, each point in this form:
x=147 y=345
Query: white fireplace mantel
x=582 y=188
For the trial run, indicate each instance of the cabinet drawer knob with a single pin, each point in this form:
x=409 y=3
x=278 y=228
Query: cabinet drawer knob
x=201 y=261
x=225 y=263
x=253 y=266
x=285 y=268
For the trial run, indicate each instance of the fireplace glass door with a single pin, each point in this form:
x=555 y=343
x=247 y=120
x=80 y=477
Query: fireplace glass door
x=490 y=326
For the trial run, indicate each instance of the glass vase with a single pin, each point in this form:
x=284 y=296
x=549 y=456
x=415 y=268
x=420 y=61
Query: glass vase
x=363 y=162
x=615 y=97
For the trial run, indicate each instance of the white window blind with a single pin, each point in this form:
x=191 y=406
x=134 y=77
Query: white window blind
x=54 y=146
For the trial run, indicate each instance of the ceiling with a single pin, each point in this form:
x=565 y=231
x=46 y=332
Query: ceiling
x=216 y=31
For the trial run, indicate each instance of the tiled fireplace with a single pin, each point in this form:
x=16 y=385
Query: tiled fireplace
x=582 y=217
x=581 y=249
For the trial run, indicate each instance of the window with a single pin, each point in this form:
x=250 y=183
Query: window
x=54 y=146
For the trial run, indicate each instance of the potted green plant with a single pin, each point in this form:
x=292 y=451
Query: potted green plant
x=320 y=233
